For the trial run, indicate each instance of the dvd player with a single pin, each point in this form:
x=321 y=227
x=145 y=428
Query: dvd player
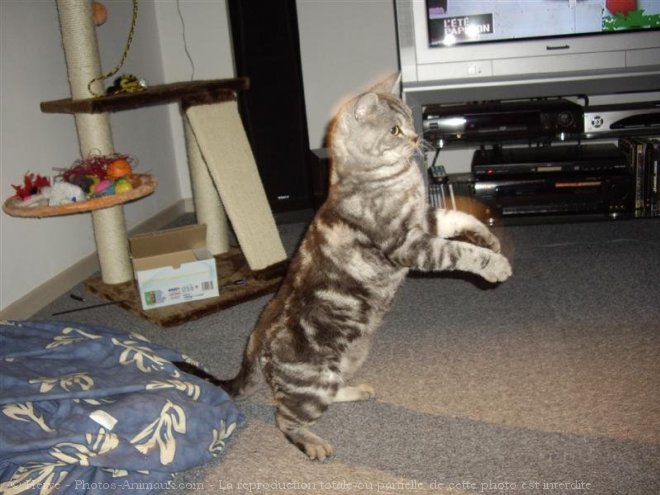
x=568 y=159
x=608 y=194
x=501 y=121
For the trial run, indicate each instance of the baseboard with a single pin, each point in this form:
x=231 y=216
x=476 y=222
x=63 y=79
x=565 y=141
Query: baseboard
x=165 y=217
x=50 y=290
x=62 y=283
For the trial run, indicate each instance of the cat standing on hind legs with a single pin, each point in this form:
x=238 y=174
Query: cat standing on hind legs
x=374 y=227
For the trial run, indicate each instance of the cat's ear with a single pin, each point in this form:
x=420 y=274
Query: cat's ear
x=364 y=106
x=391 y=84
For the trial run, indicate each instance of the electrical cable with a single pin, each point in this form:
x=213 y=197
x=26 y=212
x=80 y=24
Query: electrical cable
x=185 y=41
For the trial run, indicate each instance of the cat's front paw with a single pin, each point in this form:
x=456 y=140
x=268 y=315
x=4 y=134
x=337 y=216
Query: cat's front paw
x=486 y=239
x=496 y=268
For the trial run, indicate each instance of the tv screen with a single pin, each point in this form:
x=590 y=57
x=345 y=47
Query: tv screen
x=455 y=22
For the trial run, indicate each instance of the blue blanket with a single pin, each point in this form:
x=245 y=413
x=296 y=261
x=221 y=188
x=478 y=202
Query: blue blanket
x=88 y=409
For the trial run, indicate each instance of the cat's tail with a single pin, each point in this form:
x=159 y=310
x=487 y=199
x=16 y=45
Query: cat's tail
x=249 y=377
x=241 y=386
x=245 y=383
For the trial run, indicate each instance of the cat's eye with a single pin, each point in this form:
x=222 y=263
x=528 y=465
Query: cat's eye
x=395 y=131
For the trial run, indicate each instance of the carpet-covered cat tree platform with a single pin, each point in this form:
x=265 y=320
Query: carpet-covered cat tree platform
x=237 y=283
x=224 y=177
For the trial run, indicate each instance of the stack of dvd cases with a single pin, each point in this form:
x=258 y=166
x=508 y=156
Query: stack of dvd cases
x=642 y=156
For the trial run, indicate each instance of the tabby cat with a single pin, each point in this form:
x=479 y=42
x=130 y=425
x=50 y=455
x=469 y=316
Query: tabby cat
x=374 y=227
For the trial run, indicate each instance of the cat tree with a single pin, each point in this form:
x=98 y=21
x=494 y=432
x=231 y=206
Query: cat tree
x=224 y=177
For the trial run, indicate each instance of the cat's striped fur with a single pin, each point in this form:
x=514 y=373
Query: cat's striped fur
x=374 y=227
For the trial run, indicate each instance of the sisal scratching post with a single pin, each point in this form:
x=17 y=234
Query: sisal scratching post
x=221 y=138
x=94 y=134
x=208 y=207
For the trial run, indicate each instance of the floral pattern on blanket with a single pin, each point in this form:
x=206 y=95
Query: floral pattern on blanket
x=89 y=409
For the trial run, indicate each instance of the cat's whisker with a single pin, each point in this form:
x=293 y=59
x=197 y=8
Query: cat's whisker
x=425 y=145
x=422 y=147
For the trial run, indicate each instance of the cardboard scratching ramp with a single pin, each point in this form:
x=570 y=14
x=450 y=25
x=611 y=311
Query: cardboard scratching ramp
x=219 y=134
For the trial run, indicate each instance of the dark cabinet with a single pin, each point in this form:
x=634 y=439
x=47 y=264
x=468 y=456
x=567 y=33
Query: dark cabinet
x=266 y=50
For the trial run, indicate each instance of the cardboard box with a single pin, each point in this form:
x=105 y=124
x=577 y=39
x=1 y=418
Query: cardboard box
x=173 y=266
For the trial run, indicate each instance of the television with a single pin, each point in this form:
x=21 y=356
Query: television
x=601 y=44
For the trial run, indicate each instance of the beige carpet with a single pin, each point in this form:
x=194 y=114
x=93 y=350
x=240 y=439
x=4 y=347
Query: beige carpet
x=548 y=383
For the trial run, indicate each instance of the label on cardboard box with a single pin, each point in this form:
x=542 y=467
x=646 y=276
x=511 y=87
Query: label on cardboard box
x=169 y=285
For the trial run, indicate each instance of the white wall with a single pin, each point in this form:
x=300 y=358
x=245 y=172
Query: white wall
x=345 y=47
x=33 y=69
x=207 y=39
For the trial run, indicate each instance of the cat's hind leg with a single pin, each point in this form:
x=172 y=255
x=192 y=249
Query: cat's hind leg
x=296 y=412
x=302 y=393
x=293 y=418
